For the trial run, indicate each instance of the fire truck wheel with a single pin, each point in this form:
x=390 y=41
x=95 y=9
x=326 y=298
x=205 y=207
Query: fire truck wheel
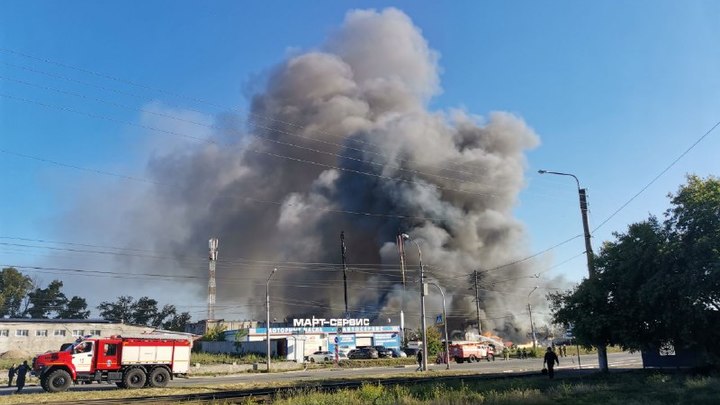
x=473 y=359
x=134 y=378
x=159 y=377
x=58 y=381
x=44 y=382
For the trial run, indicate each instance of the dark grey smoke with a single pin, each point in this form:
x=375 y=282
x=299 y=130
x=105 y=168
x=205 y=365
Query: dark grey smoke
x=357 y=104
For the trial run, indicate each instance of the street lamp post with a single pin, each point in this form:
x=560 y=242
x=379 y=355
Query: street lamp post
x=532 y=325
x=267 y=319
x=422 y=302
x=582 y=193
x=446 y=358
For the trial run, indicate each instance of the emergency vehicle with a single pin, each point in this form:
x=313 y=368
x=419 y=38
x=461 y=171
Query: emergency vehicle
x=146 y=360
x=470 y=352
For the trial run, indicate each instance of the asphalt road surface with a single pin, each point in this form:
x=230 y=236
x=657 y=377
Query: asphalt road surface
x=616 y=361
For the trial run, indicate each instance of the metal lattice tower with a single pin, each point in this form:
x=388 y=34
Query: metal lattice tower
x=211 y=282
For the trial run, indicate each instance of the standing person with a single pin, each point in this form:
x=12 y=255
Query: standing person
x=505 y=353
x=550 y=359
x=11 y=375
x=419 y=360
x=21 y=372
x=564 y=350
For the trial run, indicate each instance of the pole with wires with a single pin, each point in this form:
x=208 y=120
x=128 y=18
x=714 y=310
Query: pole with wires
x=343 y=250
x=423 y=293
x=401 y=252
x=477 y=303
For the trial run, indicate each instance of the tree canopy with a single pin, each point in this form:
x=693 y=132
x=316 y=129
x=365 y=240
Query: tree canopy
x=14 y=287
x=657 y=282
x=51 y=302
x=144 y=311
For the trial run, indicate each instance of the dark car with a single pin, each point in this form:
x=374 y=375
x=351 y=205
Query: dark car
x=411 y=352
x=363 y=353
x=383 y=351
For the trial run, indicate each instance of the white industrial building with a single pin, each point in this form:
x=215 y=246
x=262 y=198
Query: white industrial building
x=36 y=336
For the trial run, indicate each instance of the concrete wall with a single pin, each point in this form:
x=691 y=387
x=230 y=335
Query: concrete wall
x=40 y=337
x=294 y=349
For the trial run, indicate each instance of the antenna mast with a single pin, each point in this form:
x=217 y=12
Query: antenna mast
x=213 y=244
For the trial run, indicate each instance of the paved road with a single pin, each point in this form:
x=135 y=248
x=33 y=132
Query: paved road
x=616 y=361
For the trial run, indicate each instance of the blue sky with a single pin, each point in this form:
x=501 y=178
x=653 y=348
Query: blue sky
x=615 y=90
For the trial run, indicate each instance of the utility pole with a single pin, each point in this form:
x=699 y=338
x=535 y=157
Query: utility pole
x=477 y=303
x=586 y=230
x=423 y=293
x=602 y=350
x=342 y=252
x=582 y=193
x=267 y=318
x=213 y=244
x=532 y=325
x=401 y=252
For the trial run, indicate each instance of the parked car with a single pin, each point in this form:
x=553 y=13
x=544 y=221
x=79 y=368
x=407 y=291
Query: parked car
x=398 y=353
x=383 y=352
x=324 y=356
x=411 y=352
x=363 y=353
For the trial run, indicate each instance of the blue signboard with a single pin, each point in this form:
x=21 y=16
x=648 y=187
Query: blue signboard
x=325 y=329
x=346 y=342
x=389 y=340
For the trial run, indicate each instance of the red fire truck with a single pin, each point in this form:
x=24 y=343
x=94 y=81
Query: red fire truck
x=147 y=360
x=471 y=351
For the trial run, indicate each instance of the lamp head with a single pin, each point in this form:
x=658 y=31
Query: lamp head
x=405 y=236
x=542 y=171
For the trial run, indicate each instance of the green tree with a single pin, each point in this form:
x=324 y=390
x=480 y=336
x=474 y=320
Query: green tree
x=215 y=333
x=76 y=308
x=177 y=322
x=14 y=287
x=434 y=342
x=144 y=311
x=48 y=301
x=120 y=310
x=240 y=336
x=656 y=282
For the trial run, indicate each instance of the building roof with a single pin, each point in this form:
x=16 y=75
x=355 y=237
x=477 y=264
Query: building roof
x=43 y=320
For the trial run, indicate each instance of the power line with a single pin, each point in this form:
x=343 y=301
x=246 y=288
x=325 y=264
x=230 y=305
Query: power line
x=658 y=176
x=255 y=118
x=174 y=94
x=257 y=151
x=271 y=129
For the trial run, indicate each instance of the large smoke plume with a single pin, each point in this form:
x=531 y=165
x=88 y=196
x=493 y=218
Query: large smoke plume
x=341 y=139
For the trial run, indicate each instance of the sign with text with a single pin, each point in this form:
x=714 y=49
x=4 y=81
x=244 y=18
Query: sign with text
x=337 y=322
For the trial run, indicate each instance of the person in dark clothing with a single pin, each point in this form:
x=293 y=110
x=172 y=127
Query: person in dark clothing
x=419 y=360
x=21 y=372
x=11 y=375
x=551 y=359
